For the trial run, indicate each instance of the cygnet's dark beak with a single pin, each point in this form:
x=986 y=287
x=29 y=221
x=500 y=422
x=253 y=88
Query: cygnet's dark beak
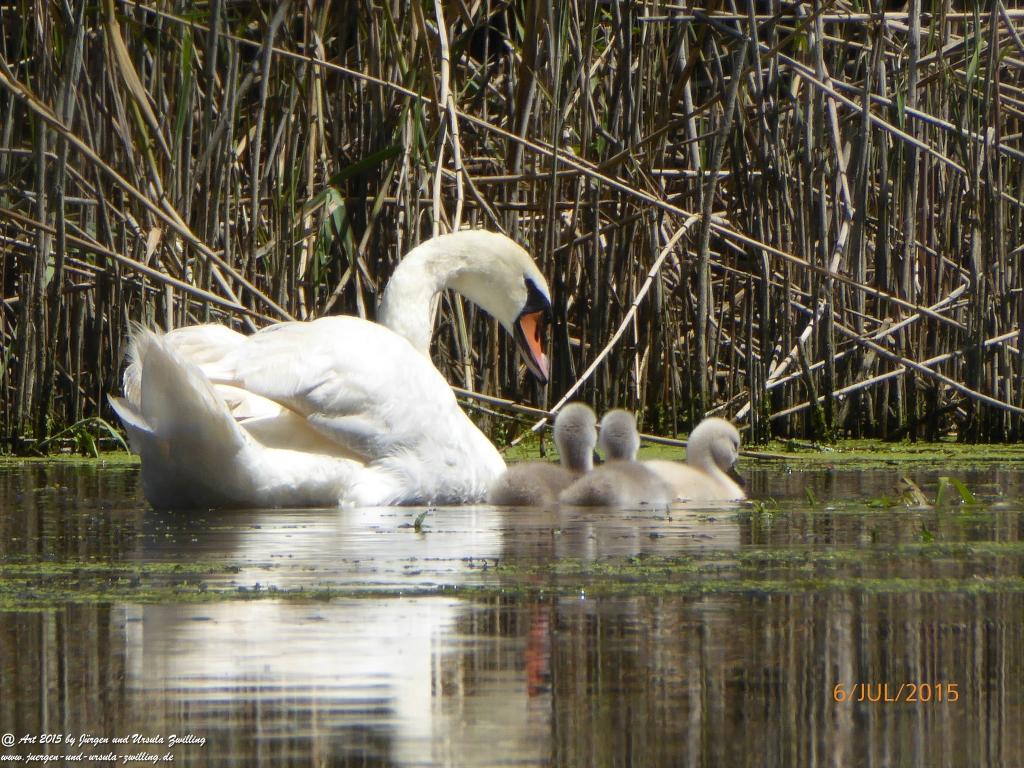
x=737 y=477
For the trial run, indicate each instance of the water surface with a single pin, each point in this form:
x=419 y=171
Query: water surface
x=704 y=636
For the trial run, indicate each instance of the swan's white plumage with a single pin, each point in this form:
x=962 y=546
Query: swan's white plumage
x=336 y=410
x=193 y=451
x=711 y=452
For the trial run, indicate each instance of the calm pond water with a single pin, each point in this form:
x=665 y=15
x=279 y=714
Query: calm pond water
x=712 y=637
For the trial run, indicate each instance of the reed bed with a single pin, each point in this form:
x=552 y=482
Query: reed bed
x=805 y=217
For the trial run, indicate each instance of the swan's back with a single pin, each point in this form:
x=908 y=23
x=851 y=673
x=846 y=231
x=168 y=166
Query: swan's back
x=194 y=453
x=395 y=431
x=530 y=484
x=537 y=483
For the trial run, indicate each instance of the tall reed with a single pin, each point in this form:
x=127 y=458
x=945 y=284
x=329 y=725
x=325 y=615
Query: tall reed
x=844 y=191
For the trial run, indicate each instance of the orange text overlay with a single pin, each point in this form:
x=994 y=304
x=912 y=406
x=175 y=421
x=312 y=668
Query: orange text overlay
x=892 y=693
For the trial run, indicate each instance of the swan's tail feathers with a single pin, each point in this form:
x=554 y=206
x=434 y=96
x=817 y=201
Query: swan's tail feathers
x=132 y=380
x=191 y=446
x=138 y=430
x=209 y=347
x=179 y=403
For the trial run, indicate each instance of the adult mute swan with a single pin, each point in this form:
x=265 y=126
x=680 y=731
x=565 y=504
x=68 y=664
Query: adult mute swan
x=333 y=411
x=711 y=452
x=621 y=481
x=536 y=483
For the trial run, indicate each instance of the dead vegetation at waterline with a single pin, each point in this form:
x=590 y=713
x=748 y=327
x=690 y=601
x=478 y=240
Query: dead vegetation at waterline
x=741 y=208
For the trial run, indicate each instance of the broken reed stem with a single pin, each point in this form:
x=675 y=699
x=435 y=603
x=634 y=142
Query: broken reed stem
x=602 y=356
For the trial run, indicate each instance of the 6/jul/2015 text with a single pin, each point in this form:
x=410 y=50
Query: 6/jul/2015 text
x=906 y=693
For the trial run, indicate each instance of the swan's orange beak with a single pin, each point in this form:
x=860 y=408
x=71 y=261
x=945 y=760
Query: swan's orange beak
x=529 y=336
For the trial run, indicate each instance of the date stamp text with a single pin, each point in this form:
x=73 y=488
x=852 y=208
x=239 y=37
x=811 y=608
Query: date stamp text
x=906 y=693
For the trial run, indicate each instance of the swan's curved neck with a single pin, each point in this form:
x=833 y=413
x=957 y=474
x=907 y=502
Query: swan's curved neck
x=487 y=268
x=408 y=307
x=700 y=457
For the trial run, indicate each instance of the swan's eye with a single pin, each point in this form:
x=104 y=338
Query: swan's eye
x=536 y=301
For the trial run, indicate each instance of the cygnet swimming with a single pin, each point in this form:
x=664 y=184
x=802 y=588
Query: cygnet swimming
x=622 y=481
x=711 y=452
x=537 y=483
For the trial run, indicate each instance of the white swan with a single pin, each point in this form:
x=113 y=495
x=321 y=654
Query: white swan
x=334 y=411
x=711 y=452
x=538 y=483
x=621 y=481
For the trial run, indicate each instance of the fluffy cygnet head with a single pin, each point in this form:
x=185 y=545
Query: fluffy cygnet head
x=714 y=440
x=575 y=435
x=619 y=439
x=707 y=474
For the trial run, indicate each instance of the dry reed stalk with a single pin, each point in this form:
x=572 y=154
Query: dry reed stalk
x=243 y=164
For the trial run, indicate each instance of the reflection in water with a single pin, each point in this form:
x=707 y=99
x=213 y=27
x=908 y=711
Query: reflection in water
x=517 y=671
x=701 y=681
x=750 y=681
x=363 y=678
x=371 y=548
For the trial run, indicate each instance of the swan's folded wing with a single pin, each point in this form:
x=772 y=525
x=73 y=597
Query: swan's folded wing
x=209 y=347
x=276 y=426
x=205 y=345
x=356 y=383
